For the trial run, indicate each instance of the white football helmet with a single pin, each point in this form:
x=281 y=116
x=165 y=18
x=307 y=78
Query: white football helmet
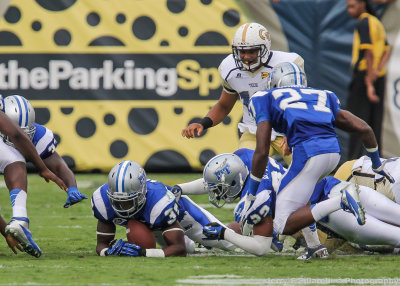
x=127 y=188
x=251 y=36
x=287 y=74
x=224 y=176
x=22 y=113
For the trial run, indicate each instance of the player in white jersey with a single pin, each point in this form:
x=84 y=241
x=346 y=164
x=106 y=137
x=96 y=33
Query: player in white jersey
x=243 y=73
x=360 y=171
x=15 y=134
x=13 y=165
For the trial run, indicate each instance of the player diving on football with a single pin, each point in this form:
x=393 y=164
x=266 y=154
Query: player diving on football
x=13 y=165
x=172 y=215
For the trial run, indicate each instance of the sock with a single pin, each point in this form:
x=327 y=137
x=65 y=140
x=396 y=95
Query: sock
x=18 y=202
x=311 y=235
x=324 y=208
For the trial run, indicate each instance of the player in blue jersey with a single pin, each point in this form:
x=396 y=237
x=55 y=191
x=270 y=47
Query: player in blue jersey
x=307 y=117
x=27 y=149
x=151 y=203
x=13 y=165
x=226 y=176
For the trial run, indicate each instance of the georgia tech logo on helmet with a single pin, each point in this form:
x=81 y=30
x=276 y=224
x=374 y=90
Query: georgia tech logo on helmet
x=264 y=34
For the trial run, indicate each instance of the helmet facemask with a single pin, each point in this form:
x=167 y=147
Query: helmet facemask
x=127 y=188
x=251 y=64
x=248 y=37
x=225 y=176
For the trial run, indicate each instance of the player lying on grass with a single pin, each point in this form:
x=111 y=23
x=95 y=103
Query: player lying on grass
x=382 y=225
x=129 y=195
x=239 y=166
x=13 y=165
x=259 y=217
x=360 y=171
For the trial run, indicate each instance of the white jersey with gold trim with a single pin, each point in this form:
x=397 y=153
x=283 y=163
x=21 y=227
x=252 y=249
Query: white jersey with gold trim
x=363 y=174
x=246 y=83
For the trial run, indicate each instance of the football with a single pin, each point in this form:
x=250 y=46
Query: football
x=138 y=233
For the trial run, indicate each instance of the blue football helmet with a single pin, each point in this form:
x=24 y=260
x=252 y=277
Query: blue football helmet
x=224 y=176
x=287 y=74
x=127 y=188
x=22 y=113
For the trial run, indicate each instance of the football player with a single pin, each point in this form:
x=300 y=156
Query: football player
x=226 y=174
x=360 y=171
x=382 y=226
x=130 y=195
x=25 y=146
x=307 y=117
x=12 y=164
x=243 y=73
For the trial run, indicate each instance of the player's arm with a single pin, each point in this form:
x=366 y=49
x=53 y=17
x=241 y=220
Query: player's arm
x=105 y=234
x=347 y=121
x=216 y=114
x=57 y=165
x=260 y=156
x=27 y=149
x=174 y=237
x=259 y=244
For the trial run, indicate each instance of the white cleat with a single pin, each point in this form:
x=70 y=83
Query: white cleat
x=351 y=202
x=19 y=230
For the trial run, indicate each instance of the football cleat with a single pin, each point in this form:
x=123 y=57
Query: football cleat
x=19 y=230
x=319 y=251
x=276 y=245
x=351 y=202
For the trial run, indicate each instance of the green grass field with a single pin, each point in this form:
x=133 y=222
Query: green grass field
x=67 y=238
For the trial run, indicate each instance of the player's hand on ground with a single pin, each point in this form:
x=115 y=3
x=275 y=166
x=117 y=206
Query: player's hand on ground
x=74 y=196
x=13 y=244
x=213 y=231
x=50 y=176
x=192 y=129
x=131 y=249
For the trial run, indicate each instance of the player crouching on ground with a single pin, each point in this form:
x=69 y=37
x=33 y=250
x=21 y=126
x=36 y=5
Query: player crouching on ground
x=259 y=217
x=129 y=195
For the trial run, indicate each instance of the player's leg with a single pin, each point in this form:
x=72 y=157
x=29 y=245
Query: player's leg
x=373 y=232
x=193 y=221
x=15 y=177
x=299 y=182
x=379 y=206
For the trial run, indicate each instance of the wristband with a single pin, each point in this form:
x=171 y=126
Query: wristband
x=373 y=153
x=253 y=184
x=103 y=252
x=222 y=234
x=206 y=122
x=153 y=252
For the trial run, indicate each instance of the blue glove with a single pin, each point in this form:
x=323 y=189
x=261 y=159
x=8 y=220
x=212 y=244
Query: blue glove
x=383 y=172
x=74 y=196
x=213 y=231
x=130 y=249
x=115 y=247
x=177 y=191
x=248 y=203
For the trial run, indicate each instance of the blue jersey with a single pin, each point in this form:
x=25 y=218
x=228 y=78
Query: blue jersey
x=264 y=203
x=160 y=209
x=323 y=189
x=305 y=115
x=44 y=141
